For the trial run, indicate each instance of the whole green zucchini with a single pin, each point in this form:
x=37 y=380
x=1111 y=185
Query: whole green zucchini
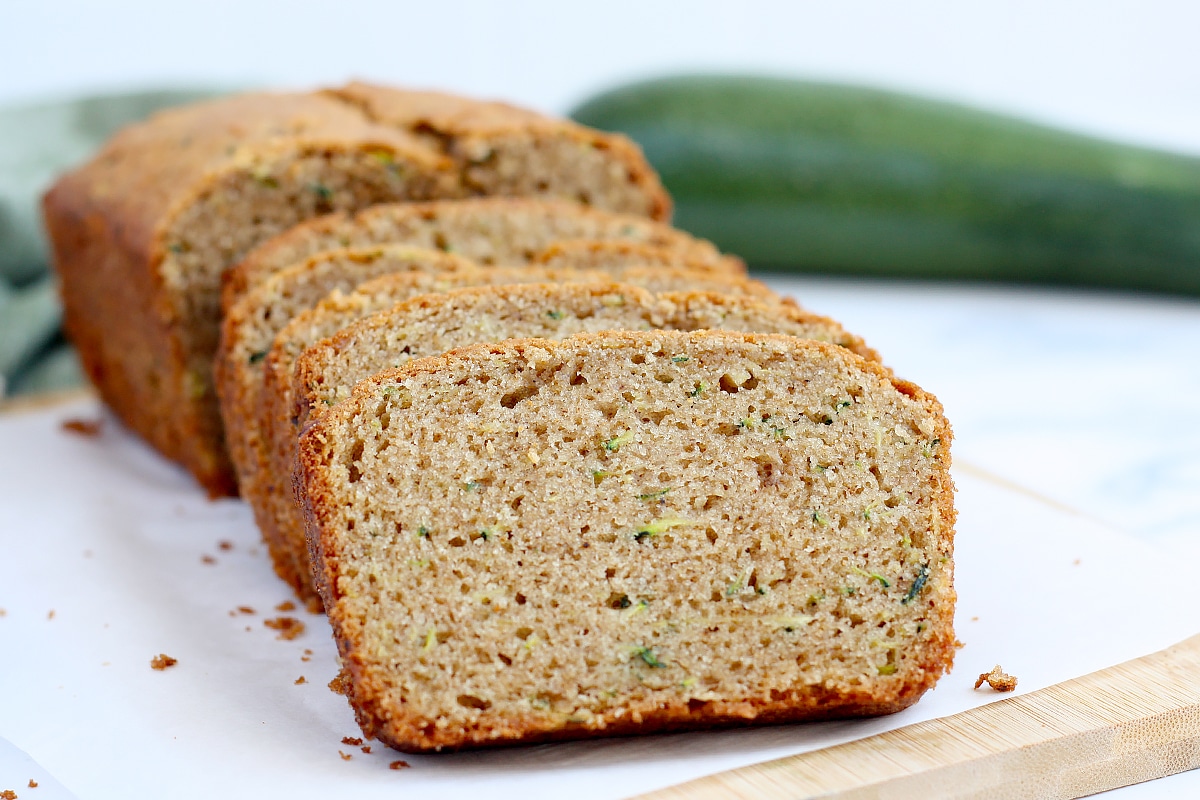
x=842 y=179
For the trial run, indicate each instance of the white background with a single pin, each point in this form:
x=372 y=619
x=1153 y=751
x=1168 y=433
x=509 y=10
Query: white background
x=1124 y=69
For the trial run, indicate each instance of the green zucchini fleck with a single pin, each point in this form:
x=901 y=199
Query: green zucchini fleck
x=659 y=526
x=917 y=585
x=614 y=444
x=257 y=356
x=648 y=655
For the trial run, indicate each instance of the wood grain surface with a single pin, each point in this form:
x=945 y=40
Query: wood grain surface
x=1126 y=724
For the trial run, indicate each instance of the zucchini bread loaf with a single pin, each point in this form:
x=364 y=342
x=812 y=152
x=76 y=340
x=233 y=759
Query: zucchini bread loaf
x=142 y=233
x=625 y=532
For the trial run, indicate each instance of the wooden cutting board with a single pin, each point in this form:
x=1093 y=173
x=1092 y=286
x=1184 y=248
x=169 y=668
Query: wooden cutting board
x=1122 y=725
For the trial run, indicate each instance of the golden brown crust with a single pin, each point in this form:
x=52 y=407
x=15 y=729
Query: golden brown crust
x=401 y=729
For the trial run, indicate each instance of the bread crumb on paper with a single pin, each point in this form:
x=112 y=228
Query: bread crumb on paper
x=399 y=765
x=998 y=680
x=245 y=610
x=366 y=748
x=32 y=783
x=225 y=545
x=286 y=605
x=207 y=559
x=289 y=627
x=340 y=684
x=352 y=740
x=162 y=661
x=345 y=756
x=300 y=680
x=50 y=616
x=8 y=794
x=83 y=427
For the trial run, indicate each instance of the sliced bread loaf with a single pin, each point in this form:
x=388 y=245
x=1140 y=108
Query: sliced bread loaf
x=268 y=489
x=626 y=532
x=486 y=230
x=142 y=233
x=326 y=373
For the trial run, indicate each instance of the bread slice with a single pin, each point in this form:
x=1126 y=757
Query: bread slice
x=626 y=532
x=326 y=372
x=142 y=234
x=486 y=230
x=266 y=484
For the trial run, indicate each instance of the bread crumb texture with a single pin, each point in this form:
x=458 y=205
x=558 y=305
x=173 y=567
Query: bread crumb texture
x=289 y=627
x=162 y=661
x=718 y=528
x=998 y=680
x=83 y=427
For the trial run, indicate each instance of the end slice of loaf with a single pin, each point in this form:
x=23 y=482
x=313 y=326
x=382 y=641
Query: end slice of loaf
x=500 y=231
x=428 y=325
x=626 y=532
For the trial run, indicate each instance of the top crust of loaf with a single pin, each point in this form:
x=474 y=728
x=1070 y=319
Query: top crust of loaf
x=510 y=231
x=533 y=478
x=470 y=130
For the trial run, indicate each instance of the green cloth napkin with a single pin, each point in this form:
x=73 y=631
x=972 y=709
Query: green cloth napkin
x=37 y=142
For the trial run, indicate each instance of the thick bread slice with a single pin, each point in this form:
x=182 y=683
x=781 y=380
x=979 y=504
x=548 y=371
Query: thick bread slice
x=487 y=230
x=268 y=488
x=627 y=532
x=326 y=372
x=502 y=150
